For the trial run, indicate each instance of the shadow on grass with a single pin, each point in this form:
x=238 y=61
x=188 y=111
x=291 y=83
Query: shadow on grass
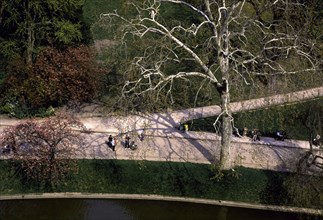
x=274 y=191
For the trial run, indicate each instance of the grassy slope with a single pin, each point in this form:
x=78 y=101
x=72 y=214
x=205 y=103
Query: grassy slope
x=294 y=119
x=176 y=179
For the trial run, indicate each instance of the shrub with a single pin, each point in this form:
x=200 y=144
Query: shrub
x=56 y=77
x=45 y=150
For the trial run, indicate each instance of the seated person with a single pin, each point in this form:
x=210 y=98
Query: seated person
x=317 y=140
x=280 y=135
x=133 y=146
x=255 y=135
x=6 y=149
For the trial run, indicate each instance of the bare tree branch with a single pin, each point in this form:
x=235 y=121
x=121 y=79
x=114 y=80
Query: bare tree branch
x=227 y=40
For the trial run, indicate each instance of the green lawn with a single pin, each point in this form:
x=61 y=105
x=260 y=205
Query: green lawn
x=298 y=120
x=165 y=178
x=171 y=179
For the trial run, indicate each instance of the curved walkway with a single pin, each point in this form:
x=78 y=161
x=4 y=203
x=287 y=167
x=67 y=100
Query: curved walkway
x=251 y=104
x=164 y=142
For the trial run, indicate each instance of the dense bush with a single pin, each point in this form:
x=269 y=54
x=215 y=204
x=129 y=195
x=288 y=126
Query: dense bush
x=57 y=77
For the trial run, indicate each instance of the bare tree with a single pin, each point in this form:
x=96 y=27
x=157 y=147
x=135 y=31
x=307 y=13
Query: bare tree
x=45 y=149
x=228 y=41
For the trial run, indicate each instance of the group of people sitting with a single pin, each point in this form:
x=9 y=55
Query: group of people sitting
x=6 y=149
x=278 y=135
x=255 y=134
x=129 y=144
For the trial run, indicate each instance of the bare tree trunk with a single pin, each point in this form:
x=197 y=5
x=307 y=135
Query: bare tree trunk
x=30 y=45
x=272 y=83
x=30 y=37
x=223 y=58
x=1 y=11
x=226 y=134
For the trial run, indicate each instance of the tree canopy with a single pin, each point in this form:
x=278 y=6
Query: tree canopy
x=44 y=61
x=26 y=25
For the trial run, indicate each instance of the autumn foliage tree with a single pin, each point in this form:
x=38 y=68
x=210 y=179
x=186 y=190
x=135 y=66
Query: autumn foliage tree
x=45 y=150
x=57 y=77
x=66 y=75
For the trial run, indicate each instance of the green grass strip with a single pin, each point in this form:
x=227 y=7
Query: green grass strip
x=298 y=120
x=164 y=178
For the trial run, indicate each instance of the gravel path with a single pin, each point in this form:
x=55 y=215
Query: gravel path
x=163 y=142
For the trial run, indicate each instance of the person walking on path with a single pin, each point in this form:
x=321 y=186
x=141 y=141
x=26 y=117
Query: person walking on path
x=110 y=138
x=127 y=141
x=185 y=127
x=111 y=142
x=142 y=135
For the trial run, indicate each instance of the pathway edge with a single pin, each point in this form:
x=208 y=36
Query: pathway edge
x=76 y=195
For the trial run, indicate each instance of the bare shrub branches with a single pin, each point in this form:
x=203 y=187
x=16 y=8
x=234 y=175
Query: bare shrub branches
x=46 y=149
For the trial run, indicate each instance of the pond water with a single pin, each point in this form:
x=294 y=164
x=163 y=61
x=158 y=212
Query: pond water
x=97 y=209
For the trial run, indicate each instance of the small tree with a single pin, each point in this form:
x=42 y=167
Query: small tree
x=45 y=149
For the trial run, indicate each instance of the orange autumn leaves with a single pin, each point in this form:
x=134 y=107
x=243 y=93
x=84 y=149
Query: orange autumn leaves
x=55 y=78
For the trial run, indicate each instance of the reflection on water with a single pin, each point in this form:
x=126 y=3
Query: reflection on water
x=97 y=209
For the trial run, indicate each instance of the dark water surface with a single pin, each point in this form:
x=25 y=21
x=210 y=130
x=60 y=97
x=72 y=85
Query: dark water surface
x=97 y=209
